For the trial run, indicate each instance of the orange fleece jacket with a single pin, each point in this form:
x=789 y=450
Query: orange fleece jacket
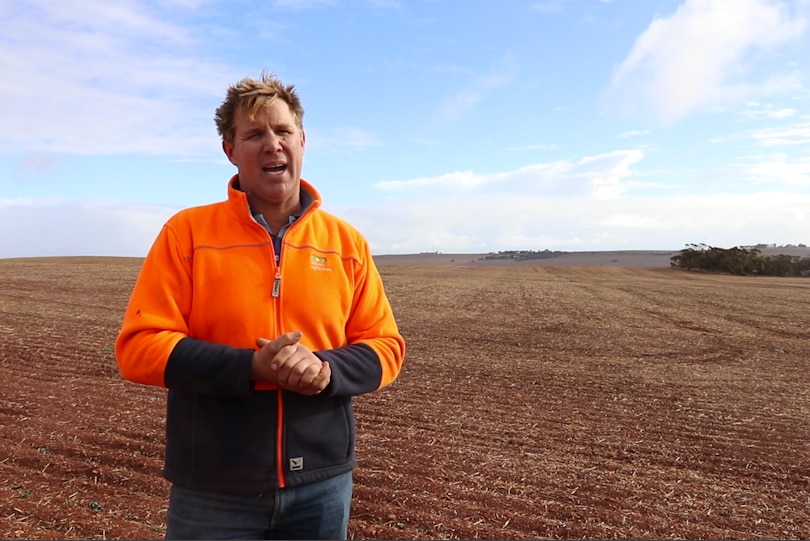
x=208 y=288
x=211 y=275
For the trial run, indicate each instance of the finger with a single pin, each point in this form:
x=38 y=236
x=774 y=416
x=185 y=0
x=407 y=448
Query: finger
x=286 y=360
x=320 y=379
x=287 y=339
x=281 y=341
x=260 y=369
x=306 y=377
x=320 y=374
x=325 y=375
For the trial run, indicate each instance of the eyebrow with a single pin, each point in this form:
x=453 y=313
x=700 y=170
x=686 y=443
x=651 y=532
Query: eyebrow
x=254 y=126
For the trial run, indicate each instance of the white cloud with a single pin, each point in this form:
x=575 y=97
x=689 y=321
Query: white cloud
x=460 y=179
x=605 y=173
x=757 y=111
x=528 y=215
x=633 y=133
x=305 y=4
x=500 y=75
x=341 y=139
x=550 y=6
x=634 y=221
x=697 y=57
x=602 y=177
x=105 y=77
x=384 y=4
x=477 y=223
x=45 y=227
x=797 y=134
x=781 y=113
x=532 y=147
x=778 y=169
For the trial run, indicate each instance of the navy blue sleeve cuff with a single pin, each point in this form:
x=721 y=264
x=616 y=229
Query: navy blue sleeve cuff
x=197 y=366
x=356 y=370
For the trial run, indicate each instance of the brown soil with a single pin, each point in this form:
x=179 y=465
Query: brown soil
x=536 y=402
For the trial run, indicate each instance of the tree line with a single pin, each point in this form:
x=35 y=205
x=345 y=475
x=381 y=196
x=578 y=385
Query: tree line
x=522 y=255
x=739 y=261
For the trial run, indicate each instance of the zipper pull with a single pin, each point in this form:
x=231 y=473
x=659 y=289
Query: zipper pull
x=276 y=285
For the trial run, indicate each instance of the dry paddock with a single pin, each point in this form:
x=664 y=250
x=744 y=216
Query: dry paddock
x=536 y=402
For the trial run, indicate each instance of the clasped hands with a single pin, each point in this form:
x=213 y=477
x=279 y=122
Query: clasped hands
x=288 y=363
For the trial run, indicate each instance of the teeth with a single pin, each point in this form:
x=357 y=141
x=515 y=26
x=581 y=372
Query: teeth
x=275 y=168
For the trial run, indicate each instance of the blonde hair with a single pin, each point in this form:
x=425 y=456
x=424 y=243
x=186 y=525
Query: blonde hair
x=251 y=95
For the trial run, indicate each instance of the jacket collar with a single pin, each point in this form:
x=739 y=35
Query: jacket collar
x=239 y=197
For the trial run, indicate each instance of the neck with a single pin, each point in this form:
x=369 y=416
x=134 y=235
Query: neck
x=277 y=216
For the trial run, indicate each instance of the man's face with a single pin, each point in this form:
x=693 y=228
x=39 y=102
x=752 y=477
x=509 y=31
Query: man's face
x=268 y=152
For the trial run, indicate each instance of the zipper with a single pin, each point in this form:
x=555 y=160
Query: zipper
x=276 y=292
x=282 y=479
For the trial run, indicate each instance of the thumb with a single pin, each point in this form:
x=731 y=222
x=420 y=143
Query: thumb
x=286 y=339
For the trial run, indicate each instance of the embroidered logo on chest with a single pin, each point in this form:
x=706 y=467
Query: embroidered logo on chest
x=318 y=263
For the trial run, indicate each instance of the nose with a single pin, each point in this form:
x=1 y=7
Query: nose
x=272 y=142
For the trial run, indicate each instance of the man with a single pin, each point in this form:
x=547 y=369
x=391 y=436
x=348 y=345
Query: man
x=263 y=315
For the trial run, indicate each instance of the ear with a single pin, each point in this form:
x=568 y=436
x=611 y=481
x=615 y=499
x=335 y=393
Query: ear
x=303 y=139
x=227 y=148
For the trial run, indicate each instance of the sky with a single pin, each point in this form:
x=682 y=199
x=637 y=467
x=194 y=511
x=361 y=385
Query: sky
x=432 y=125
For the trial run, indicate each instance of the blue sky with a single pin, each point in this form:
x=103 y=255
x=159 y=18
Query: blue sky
x=432 y=125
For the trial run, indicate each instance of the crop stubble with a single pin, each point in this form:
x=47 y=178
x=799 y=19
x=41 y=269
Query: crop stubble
x=535 y=402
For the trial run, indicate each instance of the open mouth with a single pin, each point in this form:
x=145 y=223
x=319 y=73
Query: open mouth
x=274 y=168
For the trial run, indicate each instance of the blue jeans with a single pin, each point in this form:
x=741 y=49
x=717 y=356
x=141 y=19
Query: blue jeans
x=314 y=511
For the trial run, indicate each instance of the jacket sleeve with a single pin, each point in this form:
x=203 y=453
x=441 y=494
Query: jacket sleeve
x=201 y=367
x=153 y=346
x=375 y=349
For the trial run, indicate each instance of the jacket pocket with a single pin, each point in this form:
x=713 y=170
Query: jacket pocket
x=319 y=433
x=222 y=443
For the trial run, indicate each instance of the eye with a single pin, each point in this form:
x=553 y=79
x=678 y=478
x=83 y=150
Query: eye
x=252 y=134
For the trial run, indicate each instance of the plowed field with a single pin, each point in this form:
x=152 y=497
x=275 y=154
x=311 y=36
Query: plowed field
x=535 y=402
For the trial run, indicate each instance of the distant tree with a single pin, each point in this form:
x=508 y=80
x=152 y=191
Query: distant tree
x=739 y=261
x=691 y=257
x=521 y=255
